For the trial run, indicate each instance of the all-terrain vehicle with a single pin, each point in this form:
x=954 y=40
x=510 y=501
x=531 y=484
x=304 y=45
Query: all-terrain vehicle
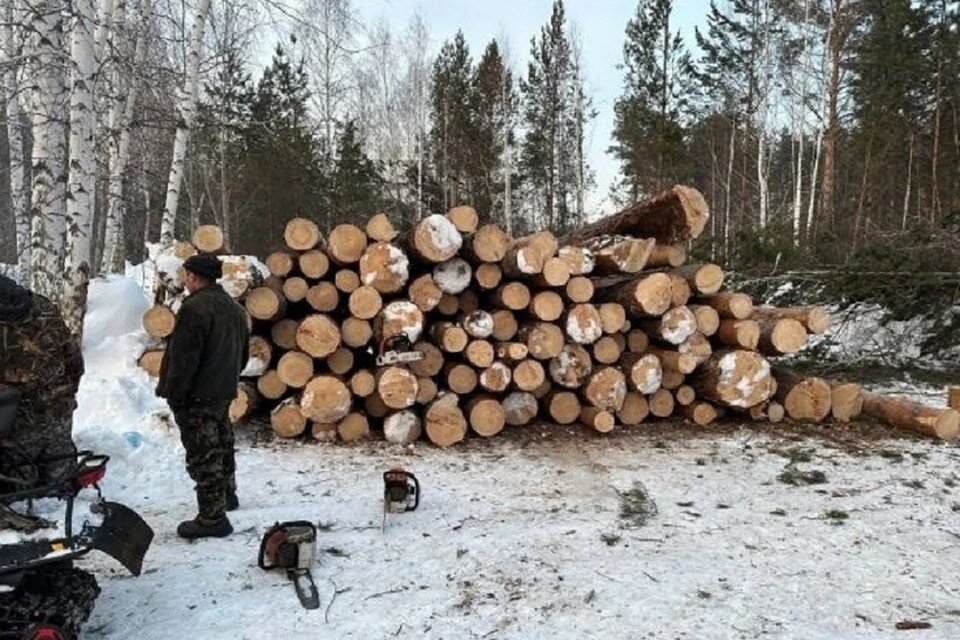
x=43 y=596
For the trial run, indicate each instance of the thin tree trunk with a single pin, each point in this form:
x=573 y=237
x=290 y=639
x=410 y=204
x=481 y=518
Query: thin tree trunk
x=18 y=192
x=187 y=112
x=906 y=195
x=813 y=184
x=47 y=201
x=935 y=162
x=729 y=203
x=835 y=49
x=507 y=156
x=858 y=219
x=118 y=137
x=762 y=124
x=798 y=193
x=82 y=166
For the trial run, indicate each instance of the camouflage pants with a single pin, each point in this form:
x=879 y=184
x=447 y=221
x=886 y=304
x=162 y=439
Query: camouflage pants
x=207 y=437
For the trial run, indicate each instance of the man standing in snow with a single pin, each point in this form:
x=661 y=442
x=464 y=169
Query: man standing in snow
x=198 y=377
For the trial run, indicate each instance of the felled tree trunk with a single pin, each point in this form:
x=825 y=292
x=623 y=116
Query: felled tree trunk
x=444 y=422
x=816 y=320
x=805 y=399
x=913 y=416
x=734 y=379
x=846 y=402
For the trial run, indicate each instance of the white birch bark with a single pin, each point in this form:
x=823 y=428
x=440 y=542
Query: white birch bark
x=729 y=186
x=11 y=86
x=187 y=112
x=80 y=182
x=762 y=124
x=47 y=95
x=114 y=42
x=798 y=191
x=811 y=205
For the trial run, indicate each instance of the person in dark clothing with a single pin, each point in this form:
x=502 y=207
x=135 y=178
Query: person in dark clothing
x=198 y=376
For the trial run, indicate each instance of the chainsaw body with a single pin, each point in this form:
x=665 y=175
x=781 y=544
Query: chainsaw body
x=292 y=546
x=401 y=493
x=397 y=350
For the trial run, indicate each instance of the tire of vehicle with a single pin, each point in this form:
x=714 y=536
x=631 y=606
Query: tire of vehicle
x=60 y=596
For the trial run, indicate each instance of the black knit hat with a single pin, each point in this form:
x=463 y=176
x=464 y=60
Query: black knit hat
x=206 y=266
x=15 y=301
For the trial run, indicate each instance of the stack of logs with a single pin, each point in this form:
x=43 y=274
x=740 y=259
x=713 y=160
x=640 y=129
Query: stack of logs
x=606 y=326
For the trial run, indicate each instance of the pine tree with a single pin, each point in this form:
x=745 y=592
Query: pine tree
x=493 y=106
x=648 y=129
x=355 y=184
x=453 y=138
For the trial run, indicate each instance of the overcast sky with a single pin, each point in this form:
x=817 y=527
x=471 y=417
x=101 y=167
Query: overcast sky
x=599 y=23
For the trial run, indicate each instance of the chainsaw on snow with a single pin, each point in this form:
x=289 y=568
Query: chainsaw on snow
x=401 y=493
x=291 y=546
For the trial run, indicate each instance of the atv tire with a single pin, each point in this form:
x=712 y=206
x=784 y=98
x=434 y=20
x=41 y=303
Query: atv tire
x=61 y=596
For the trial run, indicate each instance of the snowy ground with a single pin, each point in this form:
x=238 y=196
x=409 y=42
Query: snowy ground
x=532 y=534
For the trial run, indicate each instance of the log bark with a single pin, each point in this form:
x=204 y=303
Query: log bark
x=397 y=387
x=380 y=229
x=804 y=399
x=464 y=218
x=295 y=369
x=384 y=267
x=846 y=402
x=673 y=327
x=318 y=336
x=781 y=336
x=353 y=427
x=580 y=261
x=444 y=422
x=743 y=334
x=520 y=408
x=643 y=370
x=287 y=420
x=346 y=244
x=816 y=320
x=953 y=398
x=647 y=296
x=301 y=234
x=486 y=416
x=672 y=216
x=667 y=255
x=402 y=427
x=433 y=239
x=912 y=416
x=734 y=379
x=733 y=306
x=605 y=389
x=635 y=409
x=325 y=399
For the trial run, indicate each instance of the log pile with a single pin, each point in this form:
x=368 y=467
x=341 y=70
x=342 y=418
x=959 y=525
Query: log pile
x=608 y=326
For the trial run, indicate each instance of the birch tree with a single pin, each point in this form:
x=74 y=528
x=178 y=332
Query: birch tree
x=186 y=112
x=12 y=51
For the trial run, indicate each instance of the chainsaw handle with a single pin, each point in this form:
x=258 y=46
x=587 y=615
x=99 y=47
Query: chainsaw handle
x=279 y=526
x=416 y=483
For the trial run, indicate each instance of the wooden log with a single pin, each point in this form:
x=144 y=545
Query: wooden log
x=346 y=280
x=643 y=370
x=486 y=416
x=460 y=378
x=301 y=234
x=520 y=408
x=402 y=427
x=325 y=399
x=685 y=395
x=704 y=279
x=270 y=386
x=804 y=399
x=733 y=306
x=464 y=218
x=544 y=340
x=816 y=320
x=263 y=303
x=734 y=379
x=563 y=406
x=384 y=267
x=701 y=413
x=433 y=239
x=511 y=351
x=781 y=336
x=514 y=296
x=505 y=326
x=953 y=398
x=619 y=254
x=469 y=301
x=488 y=275
x=380 y=229
x=295 y=289
x=275 y=284
x=397 y=387
x=661 y=404
x=670 y=217
x=607 y=350
x=681 y=292
x=522 y=262
x=450 y=337
x=365 y=303
x=478 y=324
x=295 y=369
x=637 y=341
x=150 y=361
x=244 y=404
x=667 y=255
x=496 y=378
x=744 y=334
x=323 y=297
x=346 y=244
x=528 y=375
x=903 y=413
x=572 y=367
x=647 y=296
x=314 y=264
x=363 y=383
x=318 y=336
x=669 y=359
x=708 y=320
x=159 y=321
x=444 y=422
x=356 y=333
x=544 y=242
x=613 y=317
x=400 y=317
x=432 y=362
x=846 y=401
x=775 y=412
x=280 y=264
x=555 y=273
x=183 y=250
x=428 y=390
x=579 y=289
x=605 y=389
x=489 y=244
x=353 y=427
x=673 y=327
x=453 y=276
x=583 y=324
x=620 y=339
x=635 y=409
x=374 y=407
x=425 y=293
x=546 y=306
x=599 y=420
x=287 y=420
x=208 y=238
x=672 y=379
x=698 y=346
x=580 y=261
x=479 y=353
x=340 y=362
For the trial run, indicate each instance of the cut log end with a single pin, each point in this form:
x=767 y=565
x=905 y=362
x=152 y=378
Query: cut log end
x=346 y=244
x=301 y=234
x=520 y=408
x=486 y=416
x=159 y=321
x=444 y=422
x=208 y=238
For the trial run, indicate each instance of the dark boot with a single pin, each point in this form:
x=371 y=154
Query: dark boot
x=232 y=503
x=202 y=528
